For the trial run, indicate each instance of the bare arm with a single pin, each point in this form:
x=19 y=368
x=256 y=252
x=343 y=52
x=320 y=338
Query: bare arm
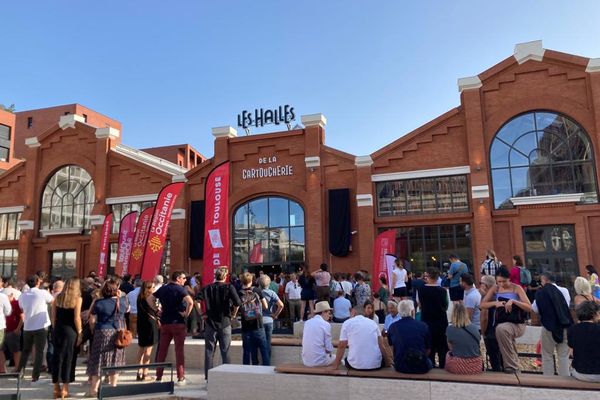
x=487 y=301
x=523 y=303
x=189 y=304
x=53 y=314
x=339 y=354
x=279 y=309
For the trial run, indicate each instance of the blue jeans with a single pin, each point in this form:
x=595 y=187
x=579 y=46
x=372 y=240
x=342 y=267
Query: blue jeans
x=211 y=337
x=252 y=342
x=268 y=333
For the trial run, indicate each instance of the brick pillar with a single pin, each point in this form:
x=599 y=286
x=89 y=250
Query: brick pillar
x=30 y=217
x=482 y=232
x=315 y=245
x=365 y=212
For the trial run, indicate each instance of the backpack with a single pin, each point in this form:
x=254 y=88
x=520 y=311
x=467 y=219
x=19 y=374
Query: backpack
x=251 y=305
x=525 y=276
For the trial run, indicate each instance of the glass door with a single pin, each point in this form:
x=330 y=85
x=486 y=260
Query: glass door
x=63 y=263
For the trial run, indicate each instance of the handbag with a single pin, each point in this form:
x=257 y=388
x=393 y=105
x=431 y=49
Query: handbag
x=124 y=336
x=515 y=316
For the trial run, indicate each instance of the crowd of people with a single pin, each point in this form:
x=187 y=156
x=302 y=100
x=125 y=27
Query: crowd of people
x=403 y=324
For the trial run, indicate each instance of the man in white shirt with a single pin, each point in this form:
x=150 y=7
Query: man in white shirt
x=363 y=338
x=132 y=299
x=158 y=282
x=317 y=349
x=292 y=295
x=5 y=310
x=34 y=304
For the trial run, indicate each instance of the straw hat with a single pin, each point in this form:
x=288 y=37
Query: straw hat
x=322 y=306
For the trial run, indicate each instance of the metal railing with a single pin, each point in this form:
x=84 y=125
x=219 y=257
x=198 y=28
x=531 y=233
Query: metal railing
x=17 y=394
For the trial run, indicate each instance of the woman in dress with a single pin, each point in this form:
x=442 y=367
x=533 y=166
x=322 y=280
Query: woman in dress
x=66 y=323
x=107 y=314
x=308 y=294
x=147 y=329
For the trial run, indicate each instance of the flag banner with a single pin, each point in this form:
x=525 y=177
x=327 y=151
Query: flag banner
x=384 y=244
x=104 y=243
x=390 y=262
x=216 y=225
x=126 y=233
x=256 y=255
x=159 y=226
x=139 y=241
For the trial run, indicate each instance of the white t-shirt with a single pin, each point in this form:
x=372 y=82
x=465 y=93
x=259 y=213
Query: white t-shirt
x=341 y=308
x=400 y=275
x=362 y=335
x=293 y=290
x=347 y=287
x=5 y=310
x=34 y=304
x=317 y=348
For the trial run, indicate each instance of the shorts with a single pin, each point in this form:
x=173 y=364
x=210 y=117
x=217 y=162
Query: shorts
x=12 y=342
x=457 y=293
x=400 y=292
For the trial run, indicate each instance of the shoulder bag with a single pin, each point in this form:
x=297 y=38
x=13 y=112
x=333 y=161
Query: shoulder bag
x=124 y=336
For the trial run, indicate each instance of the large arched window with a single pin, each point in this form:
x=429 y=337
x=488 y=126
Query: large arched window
x=68 y=199
x=268 y=230
x=541 y=153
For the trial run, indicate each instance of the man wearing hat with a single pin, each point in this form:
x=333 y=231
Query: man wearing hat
x=317 y=349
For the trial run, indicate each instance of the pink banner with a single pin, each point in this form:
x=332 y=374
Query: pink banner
x=256 y=255
x=384 y=244
x=126 y=233
x=139 y=241
x=104 y=242
x=216 y=226
x=158 y=230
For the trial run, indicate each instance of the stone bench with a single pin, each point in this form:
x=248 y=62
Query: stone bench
x=298 y=382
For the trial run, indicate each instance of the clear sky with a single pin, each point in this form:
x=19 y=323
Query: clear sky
x=171 y=70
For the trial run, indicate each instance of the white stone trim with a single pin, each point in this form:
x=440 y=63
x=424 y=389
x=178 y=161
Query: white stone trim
x=312 y=162
x=224 y=131
x=423 y=173
x=150 y=160
x=593 y=65
x=480 y=192
x=364 y=200
x=13 y=209
x=363 y=161
x=68 y=121
x=179 y=178
x=25 y=225
x=314 y=120
x=471 y=82
x=32 y=142
x=132 y=199
x=529 y=51
x=549 y=199
x=97 y=219
x=108 y=132
x=63 y=231
x=178 y=213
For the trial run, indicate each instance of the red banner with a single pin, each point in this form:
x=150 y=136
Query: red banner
x=104 y=242
x=158 y=230
x=139 y=241
x=384 y=244
x=256 y=255
x=216 y=226
x=126 y=233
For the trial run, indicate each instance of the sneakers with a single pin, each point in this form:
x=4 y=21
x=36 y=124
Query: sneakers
x=182 y=382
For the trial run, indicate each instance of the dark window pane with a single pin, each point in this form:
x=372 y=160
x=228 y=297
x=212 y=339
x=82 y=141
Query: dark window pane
x=4 y=132
x=4 y=153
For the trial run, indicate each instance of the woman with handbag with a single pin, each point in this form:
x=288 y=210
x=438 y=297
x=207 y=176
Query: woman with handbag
x=148 y=324
x=107 y=317
x=512 y=306
x=66 y=323
x=464 y=355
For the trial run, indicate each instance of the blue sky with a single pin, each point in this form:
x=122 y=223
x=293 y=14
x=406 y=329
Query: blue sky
x=169 y=71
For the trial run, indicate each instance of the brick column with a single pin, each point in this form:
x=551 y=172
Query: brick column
x=482 y=230
x=365 y=212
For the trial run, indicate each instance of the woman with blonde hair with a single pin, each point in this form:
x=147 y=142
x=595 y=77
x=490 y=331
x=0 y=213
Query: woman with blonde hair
x=147 y=324
x=66 y=323
x=464 y=355
x=583 y=291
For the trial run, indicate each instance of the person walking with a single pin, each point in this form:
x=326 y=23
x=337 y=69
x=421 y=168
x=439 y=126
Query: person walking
x=107 y=313
x=433 y=302
x=147 y=327
x=221 y=301
x=552 y=305
x=34 y=303
x=66 y=324
x=176 y=306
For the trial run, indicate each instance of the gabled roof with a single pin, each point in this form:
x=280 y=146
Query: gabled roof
x=149 y=159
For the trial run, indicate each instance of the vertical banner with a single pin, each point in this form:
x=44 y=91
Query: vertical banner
x=256 y=255
x=216 y=226
x=384 y=244
x=390 y=262
x=139 y=241
x=157 y=234
x=126 y=233
x=104 y=242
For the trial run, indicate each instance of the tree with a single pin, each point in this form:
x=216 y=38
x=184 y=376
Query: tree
x=10 y=109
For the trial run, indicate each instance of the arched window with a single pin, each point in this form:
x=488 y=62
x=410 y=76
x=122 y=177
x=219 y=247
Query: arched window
x=268 y=230
x=541 y=153
x=68 y=199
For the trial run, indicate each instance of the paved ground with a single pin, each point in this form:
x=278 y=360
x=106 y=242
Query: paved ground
x=196 y=389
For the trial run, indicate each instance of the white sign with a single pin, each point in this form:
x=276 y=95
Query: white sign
x=267 y=171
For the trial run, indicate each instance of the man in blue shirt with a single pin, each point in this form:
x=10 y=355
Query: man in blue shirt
x=411 y=341
x=392 y=316
x=457 y=269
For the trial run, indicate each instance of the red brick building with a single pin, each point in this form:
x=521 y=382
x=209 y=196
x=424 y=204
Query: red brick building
x=511 y=168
